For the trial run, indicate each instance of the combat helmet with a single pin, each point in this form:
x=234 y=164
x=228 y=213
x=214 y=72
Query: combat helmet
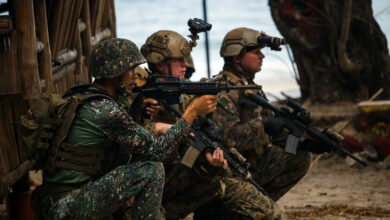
x=238 y=39
x=165 y=44
x=113 y=57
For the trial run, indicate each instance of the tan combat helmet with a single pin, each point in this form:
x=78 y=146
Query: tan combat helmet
x=238 y=39
x=165 y=44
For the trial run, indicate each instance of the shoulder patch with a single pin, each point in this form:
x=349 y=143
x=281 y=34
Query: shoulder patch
x=223 y=101
x=226 y=104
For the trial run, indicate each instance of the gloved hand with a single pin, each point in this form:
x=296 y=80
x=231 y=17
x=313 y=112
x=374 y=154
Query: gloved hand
x=272 y=125
x=314 y=146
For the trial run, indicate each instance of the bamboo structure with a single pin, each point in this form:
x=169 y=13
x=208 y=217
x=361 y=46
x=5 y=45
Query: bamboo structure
x=44 y=46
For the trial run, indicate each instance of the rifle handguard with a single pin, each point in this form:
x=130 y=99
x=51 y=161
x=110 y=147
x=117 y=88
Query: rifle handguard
x=237 y=154
x=250 y=91
x=333 y=133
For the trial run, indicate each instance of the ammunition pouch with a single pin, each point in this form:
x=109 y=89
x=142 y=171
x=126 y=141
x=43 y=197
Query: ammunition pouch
x=85 y=159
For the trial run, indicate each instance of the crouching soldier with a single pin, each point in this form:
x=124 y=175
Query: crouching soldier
x=94 y=172
x=188 y=188
x=252 y=131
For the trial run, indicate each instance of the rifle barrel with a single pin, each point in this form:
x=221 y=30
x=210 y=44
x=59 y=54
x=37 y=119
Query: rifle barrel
x=239 y=87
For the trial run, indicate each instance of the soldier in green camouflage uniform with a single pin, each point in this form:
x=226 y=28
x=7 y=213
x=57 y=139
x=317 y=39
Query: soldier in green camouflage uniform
x=70 y=192
x=242 y=124
x=186 y=189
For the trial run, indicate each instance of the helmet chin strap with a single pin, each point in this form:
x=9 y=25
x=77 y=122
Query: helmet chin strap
x=247 y=73
x=244 y=69
x=169 y=67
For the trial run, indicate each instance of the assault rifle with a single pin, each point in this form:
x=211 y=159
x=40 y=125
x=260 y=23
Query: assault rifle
x=207 y=136
x=297 y=123
x=169 y=92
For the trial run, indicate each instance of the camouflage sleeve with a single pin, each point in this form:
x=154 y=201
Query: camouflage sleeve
x=187 y=99
x=242 y=136
x=150 y=126
x=118 y=126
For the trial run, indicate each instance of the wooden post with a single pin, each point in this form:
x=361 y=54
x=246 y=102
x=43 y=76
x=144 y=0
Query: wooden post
x=6 y=24
x=69 y=22
x=113 y=19
x=10 y=78
x=86 y=35
x=28 y=65
x=79 y=48
x=66 y=56
x=63 y=17
x=55 y=26
x=4 y=163
x=63 y=72
x=43 y=34
x=94 y=10
x=101 y=35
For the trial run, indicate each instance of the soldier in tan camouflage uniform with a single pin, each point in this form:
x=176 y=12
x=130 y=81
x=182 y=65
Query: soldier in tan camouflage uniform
x=244 y=128
x=186 y=189
x=93 y=182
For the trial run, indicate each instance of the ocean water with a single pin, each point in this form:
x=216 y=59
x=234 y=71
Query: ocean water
x=138 y=19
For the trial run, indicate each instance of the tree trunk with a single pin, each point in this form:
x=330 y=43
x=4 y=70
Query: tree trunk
x=339 y=49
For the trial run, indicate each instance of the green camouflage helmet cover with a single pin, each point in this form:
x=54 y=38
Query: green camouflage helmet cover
x=113 y=57
x=238 y=39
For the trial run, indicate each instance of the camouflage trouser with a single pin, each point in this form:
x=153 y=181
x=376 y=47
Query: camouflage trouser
x=144 y=180
x=276 y=171
x=186 y=190
x=241 y=200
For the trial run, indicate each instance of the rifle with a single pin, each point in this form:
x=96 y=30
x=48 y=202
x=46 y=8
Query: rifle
x=169 y=92
x=297 y=123
x=207 y=136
